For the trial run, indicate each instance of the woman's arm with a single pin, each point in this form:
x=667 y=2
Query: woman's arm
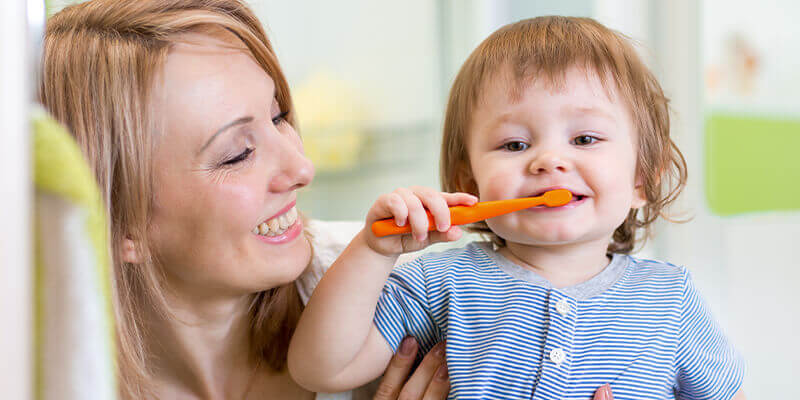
x=336 y=346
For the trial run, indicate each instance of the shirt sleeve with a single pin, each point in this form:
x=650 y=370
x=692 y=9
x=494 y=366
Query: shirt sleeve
x=403 y=308
x=708 y=367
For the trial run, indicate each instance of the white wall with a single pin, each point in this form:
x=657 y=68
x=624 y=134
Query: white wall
x=15 y=262
x=746 y=266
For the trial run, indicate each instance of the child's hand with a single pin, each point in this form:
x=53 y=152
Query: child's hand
x=407 y=206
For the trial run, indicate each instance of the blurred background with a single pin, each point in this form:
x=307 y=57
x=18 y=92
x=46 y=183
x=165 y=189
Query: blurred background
x=370 y=81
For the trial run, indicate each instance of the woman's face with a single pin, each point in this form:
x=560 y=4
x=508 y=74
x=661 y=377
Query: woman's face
x=227 y=167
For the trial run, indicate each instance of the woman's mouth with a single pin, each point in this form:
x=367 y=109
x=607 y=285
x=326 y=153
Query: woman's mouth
x=277 y=225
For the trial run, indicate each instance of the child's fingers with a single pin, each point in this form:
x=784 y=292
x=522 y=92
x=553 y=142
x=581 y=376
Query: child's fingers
x=435 y=202
x=389 y=205
x=452 y=234
x=459 y=199
x=417 y=218
x=397 y=206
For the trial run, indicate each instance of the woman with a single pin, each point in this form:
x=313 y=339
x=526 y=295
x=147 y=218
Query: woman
x=187 y=121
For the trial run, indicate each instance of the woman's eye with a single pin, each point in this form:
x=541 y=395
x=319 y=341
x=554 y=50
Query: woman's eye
x=241 y=157
x=280 y=118
x=584 y=140
x=516 y=146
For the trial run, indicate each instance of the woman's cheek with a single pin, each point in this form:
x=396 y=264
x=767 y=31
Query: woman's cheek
x=243 y=202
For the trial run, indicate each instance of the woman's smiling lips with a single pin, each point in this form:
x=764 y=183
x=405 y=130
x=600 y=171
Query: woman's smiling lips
x=282 y=227
x=289 y=235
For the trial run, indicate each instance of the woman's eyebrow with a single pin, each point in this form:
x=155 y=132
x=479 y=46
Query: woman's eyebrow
x=238 y=121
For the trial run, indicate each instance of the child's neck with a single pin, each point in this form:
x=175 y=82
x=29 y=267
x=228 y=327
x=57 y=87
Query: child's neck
x=562 y=265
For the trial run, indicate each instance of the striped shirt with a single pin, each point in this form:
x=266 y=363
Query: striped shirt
x=639 y=325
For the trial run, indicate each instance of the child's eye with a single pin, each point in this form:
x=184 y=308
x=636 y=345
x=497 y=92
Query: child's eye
x=280 y=118
x=241 y=157
x=516 y=146
x=584 y=140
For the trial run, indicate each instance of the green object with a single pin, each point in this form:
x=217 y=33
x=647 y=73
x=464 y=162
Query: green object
x=752 y=163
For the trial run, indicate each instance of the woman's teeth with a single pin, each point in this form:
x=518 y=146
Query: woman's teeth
x=278 y=225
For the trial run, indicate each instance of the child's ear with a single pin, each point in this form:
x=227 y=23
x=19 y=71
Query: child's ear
x=129 y=253
x=639 y=195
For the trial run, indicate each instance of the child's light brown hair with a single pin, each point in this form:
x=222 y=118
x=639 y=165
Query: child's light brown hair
x=545 y=48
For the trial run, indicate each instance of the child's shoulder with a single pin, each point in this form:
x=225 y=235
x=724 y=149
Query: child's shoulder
x=645 y=270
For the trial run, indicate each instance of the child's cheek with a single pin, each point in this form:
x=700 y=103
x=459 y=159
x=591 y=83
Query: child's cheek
x=499 y=185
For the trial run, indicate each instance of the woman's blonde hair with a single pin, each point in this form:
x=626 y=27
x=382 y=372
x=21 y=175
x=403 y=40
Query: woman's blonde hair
x=545 y=48
x=100 y=64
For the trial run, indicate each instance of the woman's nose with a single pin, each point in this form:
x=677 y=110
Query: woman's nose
x=549 y=161
x=295 y=171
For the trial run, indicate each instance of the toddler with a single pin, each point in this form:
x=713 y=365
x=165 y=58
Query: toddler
x=552 y=306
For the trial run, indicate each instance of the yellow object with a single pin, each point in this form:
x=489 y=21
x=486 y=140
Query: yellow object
x=331 y=121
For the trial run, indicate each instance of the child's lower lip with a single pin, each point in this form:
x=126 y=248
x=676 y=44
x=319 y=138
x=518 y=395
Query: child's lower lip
x=292 y=233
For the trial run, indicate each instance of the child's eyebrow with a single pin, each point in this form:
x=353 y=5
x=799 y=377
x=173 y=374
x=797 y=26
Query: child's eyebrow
x=591 y=111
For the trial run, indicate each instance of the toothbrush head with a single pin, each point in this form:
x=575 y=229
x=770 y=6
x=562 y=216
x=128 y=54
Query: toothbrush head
x=557 y=198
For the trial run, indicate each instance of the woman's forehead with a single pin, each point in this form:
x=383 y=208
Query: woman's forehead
x=204 y=85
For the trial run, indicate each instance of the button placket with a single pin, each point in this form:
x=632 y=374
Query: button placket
x=556 y=360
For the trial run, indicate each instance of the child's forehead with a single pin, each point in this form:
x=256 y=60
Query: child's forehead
x=510 y=85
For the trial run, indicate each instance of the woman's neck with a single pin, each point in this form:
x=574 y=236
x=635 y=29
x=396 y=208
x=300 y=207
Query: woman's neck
x=202 y=348
x=562 y=265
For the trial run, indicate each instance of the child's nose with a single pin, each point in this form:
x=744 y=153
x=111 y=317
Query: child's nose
x=549 y=162
x=295 y=170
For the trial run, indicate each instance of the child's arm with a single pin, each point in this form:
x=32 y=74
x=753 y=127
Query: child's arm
x=708 y=367
x=336 y=347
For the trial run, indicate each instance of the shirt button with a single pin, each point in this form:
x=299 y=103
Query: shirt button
x=562 y=307
x=557 y=356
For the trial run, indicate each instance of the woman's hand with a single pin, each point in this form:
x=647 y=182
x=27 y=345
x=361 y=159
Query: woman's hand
x=407 y=206
x=429 y=381
x=603 y=393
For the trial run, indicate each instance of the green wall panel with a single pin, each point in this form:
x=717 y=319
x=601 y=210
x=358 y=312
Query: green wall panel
x=752 y=163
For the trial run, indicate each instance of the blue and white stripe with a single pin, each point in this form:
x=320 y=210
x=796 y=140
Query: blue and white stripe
x=648 y=333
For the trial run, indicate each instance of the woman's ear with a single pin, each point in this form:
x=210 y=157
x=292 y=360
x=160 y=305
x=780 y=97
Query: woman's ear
x=129 y=253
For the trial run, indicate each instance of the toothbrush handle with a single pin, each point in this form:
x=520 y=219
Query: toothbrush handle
x=459 y=215
x=386 y=227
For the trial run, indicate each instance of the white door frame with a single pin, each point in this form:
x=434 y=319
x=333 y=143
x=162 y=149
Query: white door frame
x=16 y=298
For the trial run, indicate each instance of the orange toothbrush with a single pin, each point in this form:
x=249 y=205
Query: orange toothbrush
x=460 y=215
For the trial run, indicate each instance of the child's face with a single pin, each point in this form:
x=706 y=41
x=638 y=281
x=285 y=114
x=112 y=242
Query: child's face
x=580 y=137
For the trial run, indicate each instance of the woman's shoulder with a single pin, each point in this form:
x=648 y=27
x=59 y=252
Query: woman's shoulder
x=328 y=239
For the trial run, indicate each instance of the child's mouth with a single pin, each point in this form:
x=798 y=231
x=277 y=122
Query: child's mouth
x=576 y=200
